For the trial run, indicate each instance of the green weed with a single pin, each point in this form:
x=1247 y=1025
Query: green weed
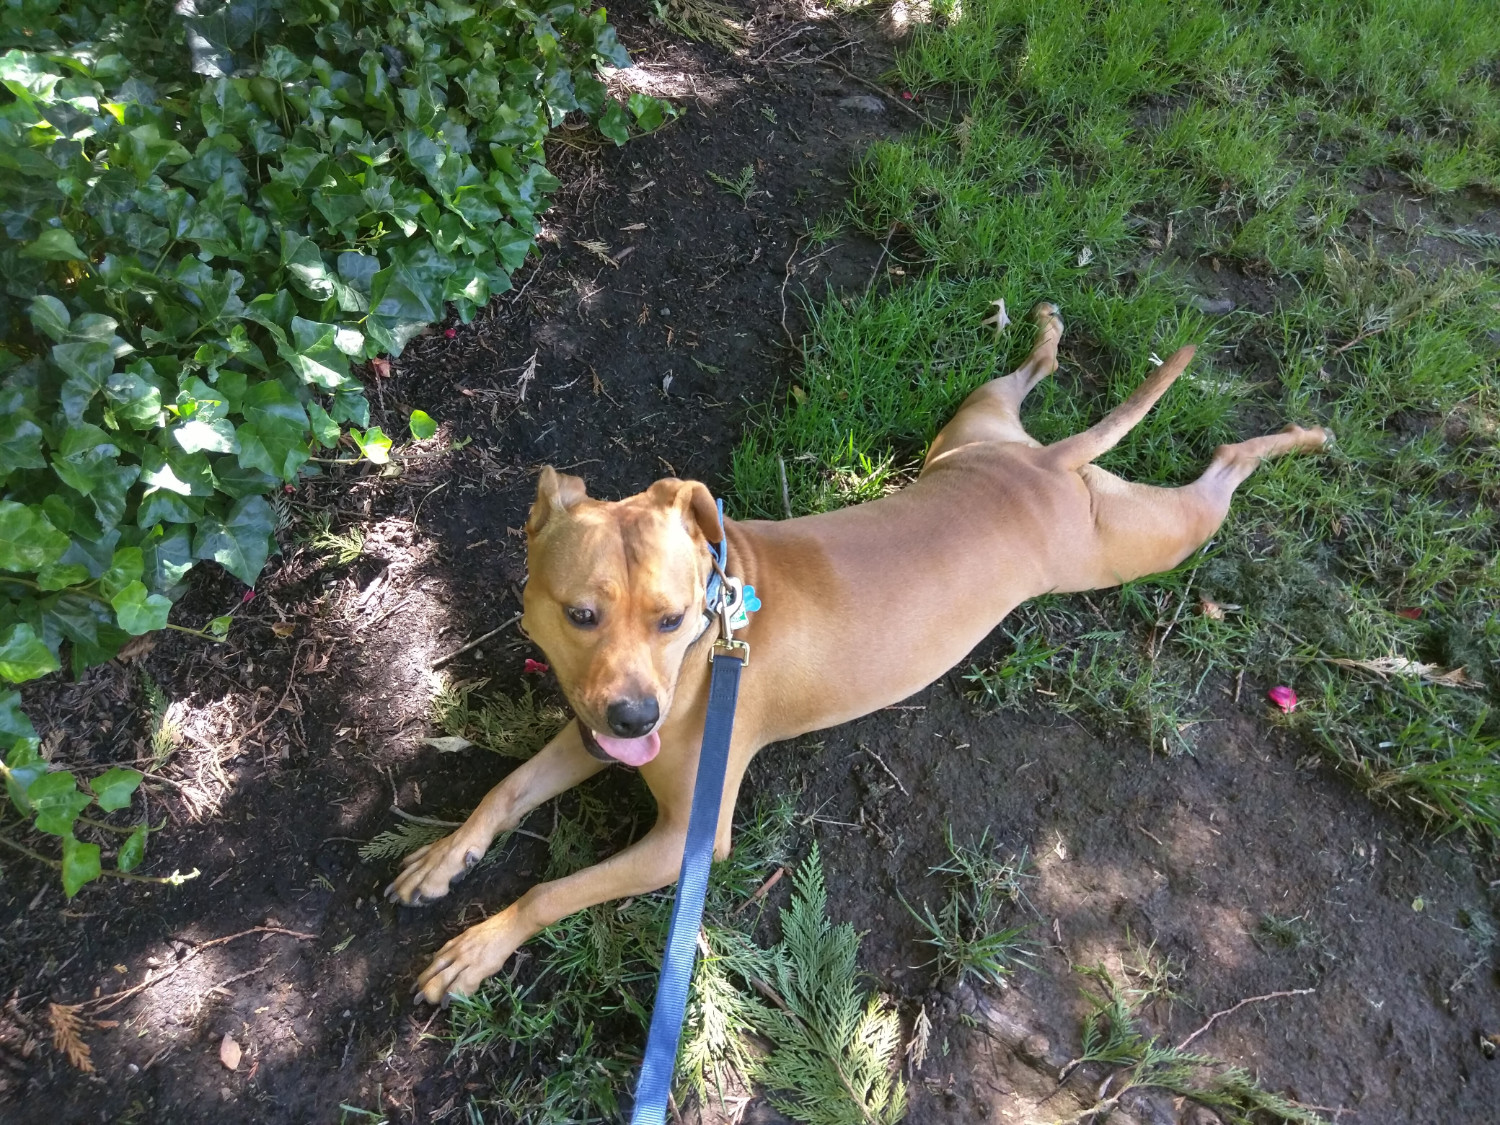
x=740 y=186
x=335 y=548
x=965 y=931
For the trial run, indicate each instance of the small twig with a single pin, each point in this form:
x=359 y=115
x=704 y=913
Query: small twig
x=881 y=90
x=786 y=499
x=428 y=820
x=107 y=1002
x=761 y=891
x=1249 y=1000
x=475 y=643
x=887 y=769
x=885 y=248
x=785 y=281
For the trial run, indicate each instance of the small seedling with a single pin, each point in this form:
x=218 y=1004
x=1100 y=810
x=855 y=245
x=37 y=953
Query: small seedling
x=741 y=187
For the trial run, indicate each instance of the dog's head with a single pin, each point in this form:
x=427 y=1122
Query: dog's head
x=614 y=596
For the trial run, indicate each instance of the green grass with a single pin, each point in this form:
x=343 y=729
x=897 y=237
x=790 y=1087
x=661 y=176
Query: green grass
x=966 y=930
x=1119 y=159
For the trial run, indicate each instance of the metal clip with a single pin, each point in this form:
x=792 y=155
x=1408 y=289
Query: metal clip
x=737 y=650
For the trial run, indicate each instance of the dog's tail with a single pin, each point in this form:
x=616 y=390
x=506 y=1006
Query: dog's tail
x=1077 y=451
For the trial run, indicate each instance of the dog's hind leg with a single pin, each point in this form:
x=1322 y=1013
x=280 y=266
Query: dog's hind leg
x=993 y=412
x=1141 y=529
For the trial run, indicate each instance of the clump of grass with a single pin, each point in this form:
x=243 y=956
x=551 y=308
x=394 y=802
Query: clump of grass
x=1295 y=933
x=514 y=727
x=966 y=930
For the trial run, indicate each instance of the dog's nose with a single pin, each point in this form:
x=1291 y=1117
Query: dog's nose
x=631 y=718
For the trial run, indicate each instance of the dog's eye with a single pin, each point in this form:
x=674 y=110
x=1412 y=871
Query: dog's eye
x=669 y=624
x=583 y=618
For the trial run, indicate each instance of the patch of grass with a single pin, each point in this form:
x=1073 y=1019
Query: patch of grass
x=515 y=727
x=1121 y=159
x=966 y=930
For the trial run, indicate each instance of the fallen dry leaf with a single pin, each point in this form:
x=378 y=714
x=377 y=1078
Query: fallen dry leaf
x=381 y=366
x=1211 y=610
x=447 y=744
x=229 y=1052
x=1400 y=666
x=283 y=628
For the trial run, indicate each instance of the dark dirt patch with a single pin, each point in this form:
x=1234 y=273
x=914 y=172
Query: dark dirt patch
x=1189 y=852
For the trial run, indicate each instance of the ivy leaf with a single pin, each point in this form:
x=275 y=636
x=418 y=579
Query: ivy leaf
x=124 y=568
x=57 y=802
x=114 y=789
x=23 y=767
x=55 y=244
x=80 y=864
x=24 y=656
x=139 y=612
x=133 y=850
x=28 y=541
x=20 y=444
x=241 y=542
x=50 y=316
x=373 y=444
x=422 y=425
x=87 y=364
x=168 y=554
x=324 y=429
x=195 y=436
x=614 y=124
x=316 y=356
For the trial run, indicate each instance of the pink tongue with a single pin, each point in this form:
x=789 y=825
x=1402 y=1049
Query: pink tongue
x=631 y=751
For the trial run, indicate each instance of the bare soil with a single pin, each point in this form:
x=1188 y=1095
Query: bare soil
x=626 y=370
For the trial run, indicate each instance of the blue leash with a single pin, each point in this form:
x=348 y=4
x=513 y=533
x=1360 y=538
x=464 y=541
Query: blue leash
x=655 y=1083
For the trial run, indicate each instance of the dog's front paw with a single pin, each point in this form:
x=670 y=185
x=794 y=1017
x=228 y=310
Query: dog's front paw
x=462 y=965
x=428 y=873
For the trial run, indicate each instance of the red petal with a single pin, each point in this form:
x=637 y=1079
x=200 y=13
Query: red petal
x=536 y=667
x=1411 y=613
x=1284 y=697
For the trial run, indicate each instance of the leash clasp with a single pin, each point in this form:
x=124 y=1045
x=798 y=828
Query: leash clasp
x=737 y=650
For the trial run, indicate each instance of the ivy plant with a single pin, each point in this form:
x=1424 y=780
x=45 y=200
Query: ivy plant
x=212 y=211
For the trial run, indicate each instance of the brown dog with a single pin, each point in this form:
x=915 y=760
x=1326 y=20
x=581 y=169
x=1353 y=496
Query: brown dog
x=615 y=599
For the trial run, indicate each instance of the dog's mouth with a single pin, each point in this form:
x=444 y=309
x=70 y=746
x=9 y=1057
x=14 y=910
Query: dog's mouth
x=629 y=751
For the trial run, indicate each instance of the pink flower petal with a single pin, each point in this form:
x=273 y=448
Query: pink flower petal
x=246 y=599
x=450 y=332
x=1411 y=613
x=536 y=667
x=1284 y=697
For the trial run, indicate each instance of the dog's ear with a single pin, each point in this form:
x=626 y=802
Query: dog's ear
x=555 y=493
x=693 y=501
